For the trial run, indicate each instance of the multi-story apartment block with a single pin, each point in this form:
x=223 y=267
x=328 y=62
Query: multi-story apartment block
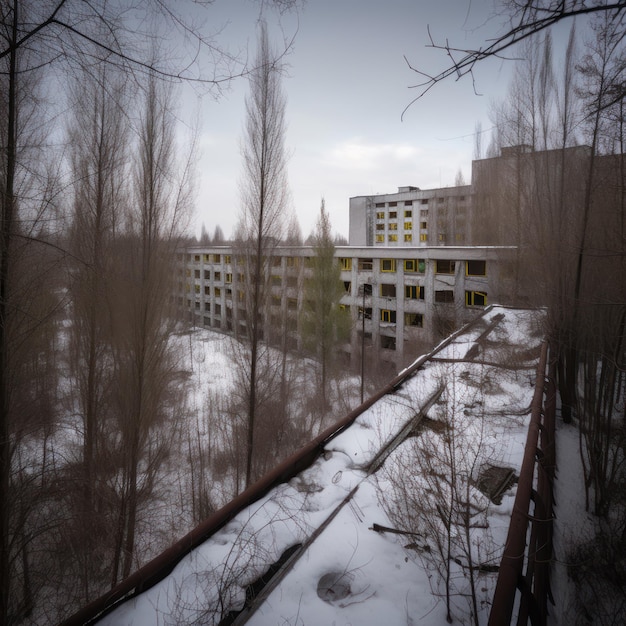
x=398 y=298
x=421 y=261
x=412 y=218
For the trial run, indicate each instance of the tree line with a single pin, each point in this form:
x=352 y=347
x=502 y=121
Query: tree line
x=560 y=182
x=96 y=197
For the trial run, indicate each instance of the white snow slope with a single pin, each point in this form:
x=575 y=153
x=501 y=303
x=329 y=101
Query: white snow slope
x=345 y=572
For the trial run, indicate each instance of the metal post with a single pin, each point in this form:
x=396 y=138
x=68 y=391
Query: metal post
x=362 y=341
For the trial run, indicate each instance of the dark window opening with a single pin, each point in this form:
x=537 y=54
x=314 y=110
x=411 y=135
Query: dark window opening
x=476 y=268
x=387 y=343
x=445 y=296
x=444 y=266
x=475 y=298
x=414 y=319
x=388 y=290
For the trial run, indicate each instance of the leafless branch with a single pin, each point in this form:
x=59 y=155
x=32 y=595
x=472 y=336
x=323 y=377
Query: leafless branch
x=530 y=18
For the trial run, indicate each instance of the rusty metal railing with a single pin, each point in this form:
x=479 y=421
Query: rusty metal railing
x=525 y=566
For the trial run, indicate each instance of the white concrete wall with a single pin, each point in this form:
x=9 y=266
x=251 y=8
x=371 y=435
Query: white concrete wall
x=223 y=313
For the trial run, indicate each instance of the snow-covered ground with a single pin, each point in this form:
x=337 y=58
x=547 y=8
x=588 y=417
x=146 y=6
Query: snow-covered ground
x=476 y=408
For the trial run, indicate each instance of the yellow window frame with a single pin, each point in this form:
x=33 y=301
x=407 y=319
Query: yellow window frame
x=475 y=298
x=387 y=265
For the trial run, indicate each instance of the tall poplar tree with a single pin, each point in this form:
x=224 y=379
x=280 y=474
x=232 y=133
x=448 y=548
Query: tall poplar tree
x=264 y=201
x=143 y=315
x=99 y=170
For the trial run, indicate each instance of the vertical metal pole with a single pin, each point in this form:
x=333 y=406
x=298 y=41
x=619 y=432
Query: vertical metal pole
x=362 y=341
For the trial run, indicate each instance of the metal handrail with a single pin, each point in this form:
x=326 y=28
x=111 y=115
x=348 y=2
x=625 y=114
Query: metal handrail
x=533 y=584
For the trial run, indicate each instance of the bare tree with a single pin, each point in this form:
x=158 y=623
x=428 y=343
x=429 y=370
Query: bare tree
x=294 y=232
x=526 y=18
x=433 y=495
x=570 y=203
x=99 y=169
x=34 y=37
x=599 y=319
x=28 y=264
x=264 y=200
x=540 y=177
x=143 y=323
x=218 y=235
x=205 y=238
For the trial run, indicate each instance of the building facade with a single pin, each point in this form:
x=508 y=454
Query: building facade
x=419 y=262
x=399 y=299
x=413 y=218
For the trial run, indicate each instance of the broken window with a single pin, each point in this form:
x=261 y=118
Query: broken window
x=387 y=290
x=444 y=295
x=444 y=266
x=414 y=319
x=475 y=298
x=365 y=313
x=387 y=343
x=476 y=268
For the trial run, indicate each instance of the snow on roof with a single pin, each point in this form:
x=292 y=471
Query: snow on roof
x=342 y=549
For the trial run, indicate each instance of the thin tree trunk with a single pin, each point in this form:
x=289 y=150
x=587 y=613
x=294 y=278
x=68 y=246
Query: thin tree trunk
x=131 y=511
x=8 y=208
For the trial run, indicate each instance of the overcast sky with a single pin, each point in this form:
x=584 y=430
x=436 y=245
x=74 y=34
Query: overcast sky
x=346 y=88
